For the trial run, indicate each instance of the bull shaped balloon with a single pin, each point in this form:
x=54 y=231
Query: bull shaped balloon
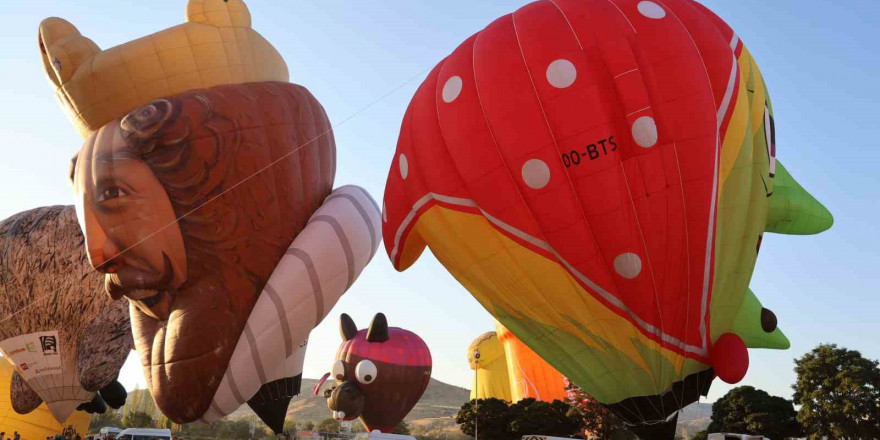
x=381 y=372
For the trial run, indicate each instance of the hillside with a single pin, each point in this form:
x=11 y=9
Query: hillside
x=439 y=400
x=433 y=415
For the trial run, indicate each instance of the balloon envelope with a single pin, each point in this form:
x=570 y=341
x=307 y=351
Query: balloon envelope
x=204 y=190
x=381 y=372
x=491 y=378
x=530 y=376
x=38 y=424
x=64 y=337
x=599 y=175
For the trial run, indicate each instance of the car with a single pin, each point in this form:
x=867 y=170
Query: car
x=107 y=433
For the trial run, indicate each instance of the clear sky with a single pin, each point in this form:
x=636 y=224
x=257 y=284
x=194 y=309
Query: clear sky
x=820 y=62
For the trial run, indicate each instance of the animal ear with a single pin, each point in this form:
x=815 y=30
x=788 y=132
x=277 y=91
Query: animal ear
x=219 y=13
x=63 y=49
x=347 y=329
x=378 y=331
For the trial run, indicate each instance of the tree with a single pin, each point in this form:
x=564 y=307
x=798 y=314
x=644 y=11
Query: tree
x=290 y=425
x=137 y=419
x=701 y=435
x=328 y=425
x=307 y=426
x=838 y=391
x=597 y=420
x=531 y=417
x=109 y=418
x=494 y=415
x=401 y=428
x=748 y=410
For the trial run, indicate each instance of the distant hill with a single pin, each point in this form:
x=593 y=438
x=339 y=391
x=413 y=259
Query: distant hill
x=440 y=400
x=434 y=415
x=694 y=418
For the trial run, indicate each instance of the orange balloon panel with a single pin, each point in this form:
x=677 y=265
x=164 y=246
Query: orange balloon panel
x=39 y=423
x=530 y=375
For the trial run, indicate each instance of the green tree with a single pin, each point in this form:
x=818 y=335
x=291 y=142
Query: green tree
x=748 y=410
x=597 y=420
x=494 y=418
x=328 y=425
x=701 y=435
x=290 y=425
x=307 y=426
x=239 y=429
x=534 y=417
x=109 y=418
x=401 y=428
x=137 y=419
x=838 y=391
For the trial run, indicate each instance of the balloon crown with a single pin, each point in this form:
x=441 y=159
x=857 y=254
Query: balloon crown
x=215 y=46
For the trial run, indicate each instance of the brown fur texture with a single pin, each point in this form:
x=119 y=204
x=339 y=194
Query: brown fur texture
x=47 y=284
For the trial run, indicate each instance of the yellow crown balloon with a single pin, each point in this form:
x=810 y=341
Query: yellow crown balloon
x=215 y=45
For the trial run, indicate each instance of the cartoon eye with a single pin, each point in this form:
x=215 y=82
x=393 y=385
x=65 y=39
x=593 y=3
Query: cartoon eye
x=770 y=134
x=110 y=193
x=768 y=320
x=366 y=372
x=338 y=371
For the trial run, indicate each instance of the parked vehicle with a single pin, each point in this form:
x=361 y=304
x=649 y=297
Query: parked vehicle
x=144 y=434
x=729 y=436
x=107 y=433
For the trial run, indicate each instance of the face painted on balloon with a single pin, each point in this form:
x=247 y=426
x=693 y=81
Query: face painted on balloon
x=129 y=224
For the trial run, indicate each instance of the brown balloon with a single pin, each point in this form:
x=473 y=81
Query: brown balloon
x=380 y=372
x=188 y=203
x=65 y=343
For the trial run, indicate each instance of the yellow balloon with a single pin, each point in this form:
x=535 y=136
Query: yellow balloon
x=491 y=378
x=38 y=424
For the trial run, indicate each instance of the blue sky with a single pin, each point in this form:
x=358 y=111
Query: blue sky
x=820 y=63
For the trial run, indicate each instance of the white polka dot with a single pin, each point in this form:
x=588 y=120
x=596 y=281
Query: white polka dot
x=404 y=166
x=384 y=213
x=628 y=265
x=561 y=74
x=644 y=132
x=651 y=10
x=536 y=173
x=452 y=89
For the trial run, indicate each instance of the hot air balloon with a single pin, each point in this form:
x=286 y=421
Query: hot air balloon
x=530 y=376
x=38 y=424
x=599 y=174
x=65 y=344
x=509 y=370
x=205 y=192
x=487 y=358
x=380 y=372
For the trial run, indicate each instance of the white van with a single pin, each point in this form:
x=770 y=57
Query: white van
x=144 y=434
x=729 y=436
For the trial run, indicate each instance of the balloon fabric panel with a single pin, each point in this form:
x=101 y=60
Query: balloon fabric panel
x=38 y=424
x=598 y=174
x=65 y=339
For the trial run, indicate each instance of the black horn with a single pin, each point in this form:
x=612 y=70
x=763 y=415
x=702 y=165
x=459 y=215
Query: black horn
x=378 y=331
x=347 y=328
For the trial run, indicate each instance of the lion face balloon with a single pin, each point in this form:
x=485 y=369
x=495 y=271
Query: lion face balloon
x=204 y=191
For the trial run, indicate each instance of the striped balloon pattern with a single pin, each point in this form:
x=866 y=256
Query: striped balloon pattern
x=599 y=174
